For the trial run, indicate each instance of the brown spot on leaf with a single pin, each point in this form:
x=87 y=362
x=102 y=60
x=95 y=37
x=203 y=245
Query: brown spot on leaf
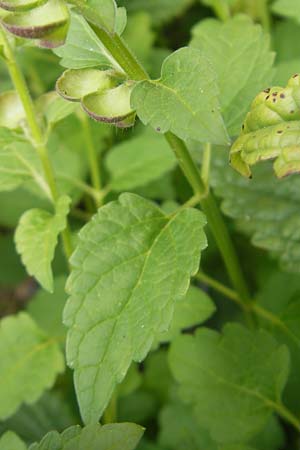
x=282 y=96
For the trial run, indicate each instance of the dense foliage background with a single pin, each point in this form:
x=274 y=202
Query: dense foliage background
x=226 y=375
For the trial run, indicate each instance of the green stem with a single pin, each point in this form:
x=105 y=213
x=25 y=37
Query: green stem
x=215 y=284
x=222 y=10
x=92 y=157
x=127 y=61
x=205 y=169
x=212 y=212
x=37 y=137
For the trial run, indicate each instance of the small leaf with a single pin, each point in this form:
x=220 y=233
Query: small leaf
x=246 y=69
x=36 y=240
x=271 y=131
x=111 y=323
x=138 y=161
x=20 y=5
x=118 y=436
x=38 y=22
x=12 y=113
x=244 y=371
x=10 y=441
x=75 y=84
x=184 y=100
x=83 y=48
x=111 y=106
x=29 y=363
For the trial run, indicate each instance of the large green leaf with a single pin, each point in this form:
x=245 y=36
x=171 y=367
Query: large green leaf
x=82 y=47
x=180 y=430
x=36 y=239
x=152 y=256
x=29 y=362
x=234 y=381
x=265 y=208
x=10 y=441
x=271 y=131
x=184 y=100
x=247 y=68
x=119 y=436
x=139 y=161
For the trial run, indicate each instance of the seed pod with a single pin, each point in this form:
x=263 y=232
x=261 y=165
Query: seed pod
x=47 y=22
x=271 y=131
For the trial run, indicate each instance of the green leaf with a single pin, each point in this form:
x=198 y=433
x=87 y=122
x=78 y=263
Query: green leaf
x=19 y=162
x=244 y=371
x=157 y=376
x=32 y=422
x=271 y=438
x=138 y=407
x=12 y=113
x=287 y=8
x=75 y=84
x=140 y=37
x=36 y=239
x=195 y=309
x=39 y=22
x=111 y=323
x=118 y=436
x=10 y=441
x=111 y=106
x=83 y=48
x=280 y=298
x=247 y=68
x=180 y=430
x=285 y=34
x=29 y=362
x=46 y=309
x=270 y=131
x=184 y=100
x=139 y=161
x=160 y=10
x=101 y=13
x=264 y=207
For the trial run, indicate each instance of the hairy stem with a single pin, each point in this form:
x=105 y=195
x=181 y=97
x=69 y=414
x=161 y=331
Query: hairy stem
x=37 y=137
